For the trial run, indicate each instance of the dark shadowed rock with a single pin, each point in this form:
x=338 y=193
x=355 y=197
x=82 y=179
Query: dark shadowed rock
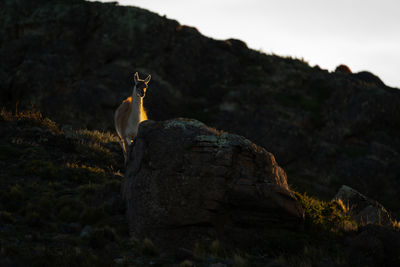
x=375 y=246
x=187 y=182
x=361 y=208
x=368 y=77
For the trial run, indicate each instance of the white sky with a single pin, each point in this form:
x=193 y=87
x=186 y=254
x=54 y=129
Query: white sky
x=363 y=34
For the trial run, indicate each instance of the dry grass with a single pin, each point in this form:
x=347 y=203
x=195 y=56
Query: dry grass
x=344 y=207
x=30 y=118
x=396 y=225
x=97 y=136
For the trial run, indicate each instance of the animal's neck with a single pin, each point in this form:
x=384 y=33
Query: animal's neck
x=137 y=101
x=137 y=104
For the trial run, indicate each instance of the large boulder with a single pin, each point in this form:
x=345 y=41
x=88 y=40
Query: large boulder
x=361 y=208
x=186 y=182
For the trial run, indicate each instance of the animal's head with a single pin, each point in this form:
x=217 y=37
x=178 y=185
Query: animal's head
x=141 y=85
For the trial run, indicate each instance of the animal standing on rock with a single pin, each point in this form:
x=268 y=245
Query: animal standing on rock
x=130 y=113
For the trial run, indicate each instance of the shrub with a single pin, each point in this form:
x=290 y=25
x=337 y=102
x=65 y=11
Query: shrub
x=8 y=151
x=101 y=236
x=239 y=261
x=93 y=215
x=396 y=225
x=216 y=249
x=33 y=218
x=7 y=217
x=83 y=173
x=321 y=214
x=148 y=248
x=42 y=169
x=16 y=193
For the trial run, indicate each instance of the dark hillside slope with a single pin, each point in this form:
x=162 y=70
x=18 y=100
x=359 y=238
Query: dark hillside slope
x=74 y=60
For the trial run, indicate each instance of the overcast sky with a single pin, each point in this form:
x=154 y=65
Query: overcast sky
x=363 y=34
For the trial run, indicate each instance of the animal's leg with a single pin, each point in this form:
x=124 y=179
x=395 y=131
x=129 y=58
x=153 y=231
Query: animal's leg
x=130 y=144
x=121 y=143
x=128 y=140
x=125 y=148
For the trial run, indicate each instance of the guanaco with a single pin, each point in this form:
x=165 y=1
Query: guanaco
x=130 y=113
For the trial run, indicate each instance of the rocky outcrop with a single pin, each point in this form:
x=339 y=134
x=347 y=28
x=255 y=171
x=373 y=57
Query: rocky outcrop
x=361 y=208
x=186 y=182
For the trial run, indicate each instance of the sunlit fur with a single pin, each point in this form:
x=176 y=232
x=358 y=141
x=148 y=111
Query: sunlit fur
x=143 y=115
x=130 y=113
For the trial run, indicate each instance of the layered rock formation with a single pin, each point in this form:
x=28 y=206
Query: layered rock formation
x=186 y=182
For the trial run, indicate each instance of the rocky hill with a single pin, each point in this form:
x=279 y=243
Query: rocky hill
x=75 y=60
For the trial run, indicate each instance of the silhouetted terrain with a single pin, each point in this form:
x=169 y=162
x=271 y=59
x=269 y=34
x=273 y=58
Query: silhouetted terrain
x=74 y=61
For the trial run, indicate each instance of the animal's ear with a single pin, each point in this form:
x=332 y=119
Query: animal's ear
x=147 y=80
x=136 y=77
